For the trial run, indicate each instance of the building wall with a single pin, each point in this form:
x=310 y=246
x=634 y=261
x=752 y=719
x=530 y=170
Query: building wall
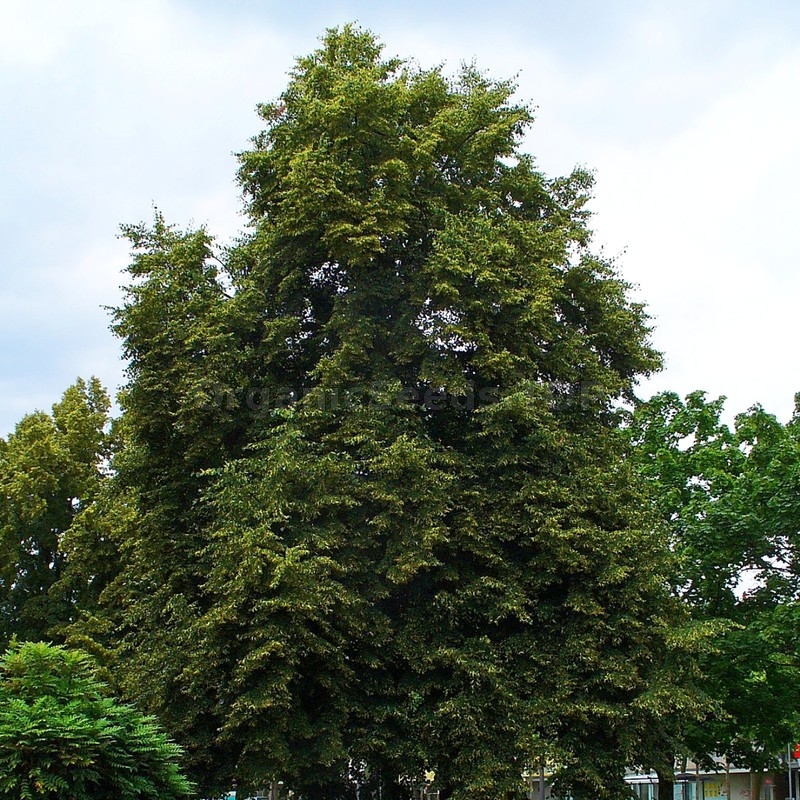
x=712 y=786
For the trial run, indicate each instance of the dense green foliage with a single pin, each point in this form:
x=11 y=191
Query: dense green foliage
x=730 y=499
x=384 y=519
x=62 y=738
x=51 y=468
x=372 y=509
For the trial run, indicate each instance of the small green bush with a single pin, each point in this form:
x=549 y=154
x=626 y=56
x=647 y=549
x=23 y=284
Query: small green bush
x=62 y=736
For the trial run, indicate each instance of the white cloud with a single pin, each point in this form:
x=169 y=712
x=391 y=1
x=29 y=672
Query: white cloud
x=705 y=217
x=108 y=109
x=33 y=33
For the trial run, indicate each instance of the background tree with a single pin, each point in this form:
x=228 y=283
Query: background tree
x=62 y=737
x=51 y=469
x=730 y=499
x=386 y=522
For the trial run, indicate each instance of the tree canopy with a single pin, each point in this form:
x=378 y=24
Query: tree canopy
x=729 y=497
x=51 y=469
x=376 y=512
x=385 y=520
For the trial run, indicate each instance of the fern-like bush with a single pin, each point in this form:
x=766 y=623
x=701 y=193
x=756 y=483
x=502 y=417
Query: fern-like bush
x=62 y=736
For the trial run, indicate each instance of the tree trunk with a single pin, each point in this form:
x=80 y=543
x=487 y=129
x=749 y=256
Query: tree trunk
x=666 y=785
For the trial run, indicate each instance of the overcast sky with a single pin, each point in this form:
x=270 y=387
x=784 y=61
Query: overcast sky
x=688 y=112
